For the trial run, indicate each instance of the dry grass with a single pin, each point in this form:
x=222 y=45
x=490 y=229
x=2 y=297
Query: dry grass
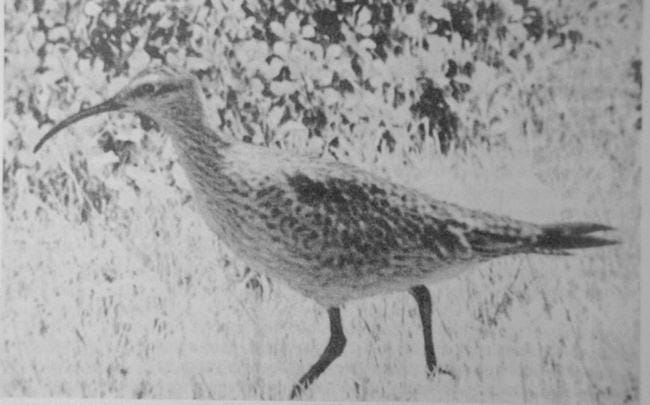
x=141 y=307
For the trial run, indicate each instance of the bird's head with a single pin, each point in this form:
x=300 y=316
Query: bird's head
x=169 y=97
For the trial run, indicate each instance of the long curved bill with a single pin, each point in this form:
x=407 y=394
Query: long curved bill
x=108 y=105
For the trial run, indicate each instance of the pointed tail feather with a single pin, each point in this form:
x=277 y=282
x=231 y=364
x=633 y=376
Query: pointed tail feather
x=572 y=235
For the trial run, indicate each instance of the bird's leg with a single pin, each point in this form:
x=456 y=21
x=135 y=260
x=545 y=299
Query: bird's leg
x=423 y=298
x=333 y=350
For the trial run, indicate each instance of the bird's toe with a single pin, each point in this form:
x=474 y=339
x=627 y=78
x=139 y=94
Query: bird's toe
x=441 y=371
x=296 y=392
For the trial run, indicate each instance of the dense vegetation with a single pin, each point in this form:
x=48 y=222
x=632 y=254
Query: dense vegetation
x=382 y=74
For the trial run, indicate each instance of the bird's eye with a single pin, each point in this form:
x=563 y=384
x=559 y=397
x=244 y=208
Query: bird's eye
x=145 y=89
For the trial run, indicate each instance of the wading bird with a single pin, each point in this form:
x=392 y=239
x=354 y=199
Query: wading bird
x=330 y=230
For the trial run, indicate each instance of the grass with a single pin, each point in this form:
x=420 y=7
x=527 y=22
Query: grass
x=144 y=301
x=143 y=308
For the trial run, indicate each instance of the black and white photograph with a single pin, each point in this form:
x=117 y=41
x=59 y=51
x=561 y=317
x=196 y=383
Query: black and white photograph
x=322 y=200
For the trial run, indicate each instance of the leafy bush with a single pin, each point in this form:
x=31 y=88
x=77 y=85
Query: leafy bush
x=380 y=75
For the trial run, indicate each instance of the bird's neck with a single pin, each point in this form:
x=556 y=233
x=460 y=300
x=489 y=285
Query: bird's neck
x=201 y=152
x=193 y=135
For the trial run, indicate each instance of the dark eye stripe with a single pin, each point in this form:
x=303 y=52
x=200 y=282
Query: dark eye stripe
x=144 y=89
x=148 y=89
x=167 y=88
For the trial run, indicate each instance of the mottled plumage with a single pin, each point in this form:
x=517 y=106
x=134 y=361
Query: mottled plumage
x=335 y=232
x=329 y=230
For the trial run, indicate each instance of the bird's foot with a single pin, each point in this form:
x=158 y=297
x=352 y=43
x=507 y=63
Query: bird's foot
x=296 y=391
x=438 y=371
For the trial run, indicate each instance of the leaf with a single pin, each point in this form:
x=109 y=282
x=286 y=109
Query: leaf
x=129 y=133
x=411 y=26
x=323 y=76
x=256 y=86
x=138 y=31
x=292 y=24
x=84 y=67
x=139 y=60
x=174 y=58
x=515 y=11
x=334 y=52
x=368 y=44
x=110 y=19
x=252 y=54
x=157 y=7
x=37 y=40
x=165 y=22
x=56 y=114
x=437 y=45
x=277 y=29
x=271 y=69
x=60 y=33
x=274 y=116
x=363 y=16
x=92 y=9
x=308 y=31
x=365 y=30
x=284 y=87
x=518 y=31
x=281 y=49
x=197 y=63
x=438 y=11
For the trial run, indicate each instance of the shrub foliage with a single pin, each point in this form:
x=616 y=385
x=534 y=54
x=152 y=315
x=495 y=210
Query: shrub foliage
x=320 y=76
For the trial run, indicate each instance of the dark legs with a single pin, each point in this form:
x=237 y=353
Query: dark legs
x=423 y=298
x=337 y=342
x=332 y=351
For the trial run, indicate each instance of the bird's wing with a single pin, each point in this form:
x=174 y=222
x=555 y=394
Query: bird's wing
x=341 y=213
x=362 y=218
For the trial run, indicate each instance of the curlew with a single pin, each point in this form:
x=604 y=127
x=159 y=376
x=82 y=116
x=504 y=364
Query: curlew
x=329 y=230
